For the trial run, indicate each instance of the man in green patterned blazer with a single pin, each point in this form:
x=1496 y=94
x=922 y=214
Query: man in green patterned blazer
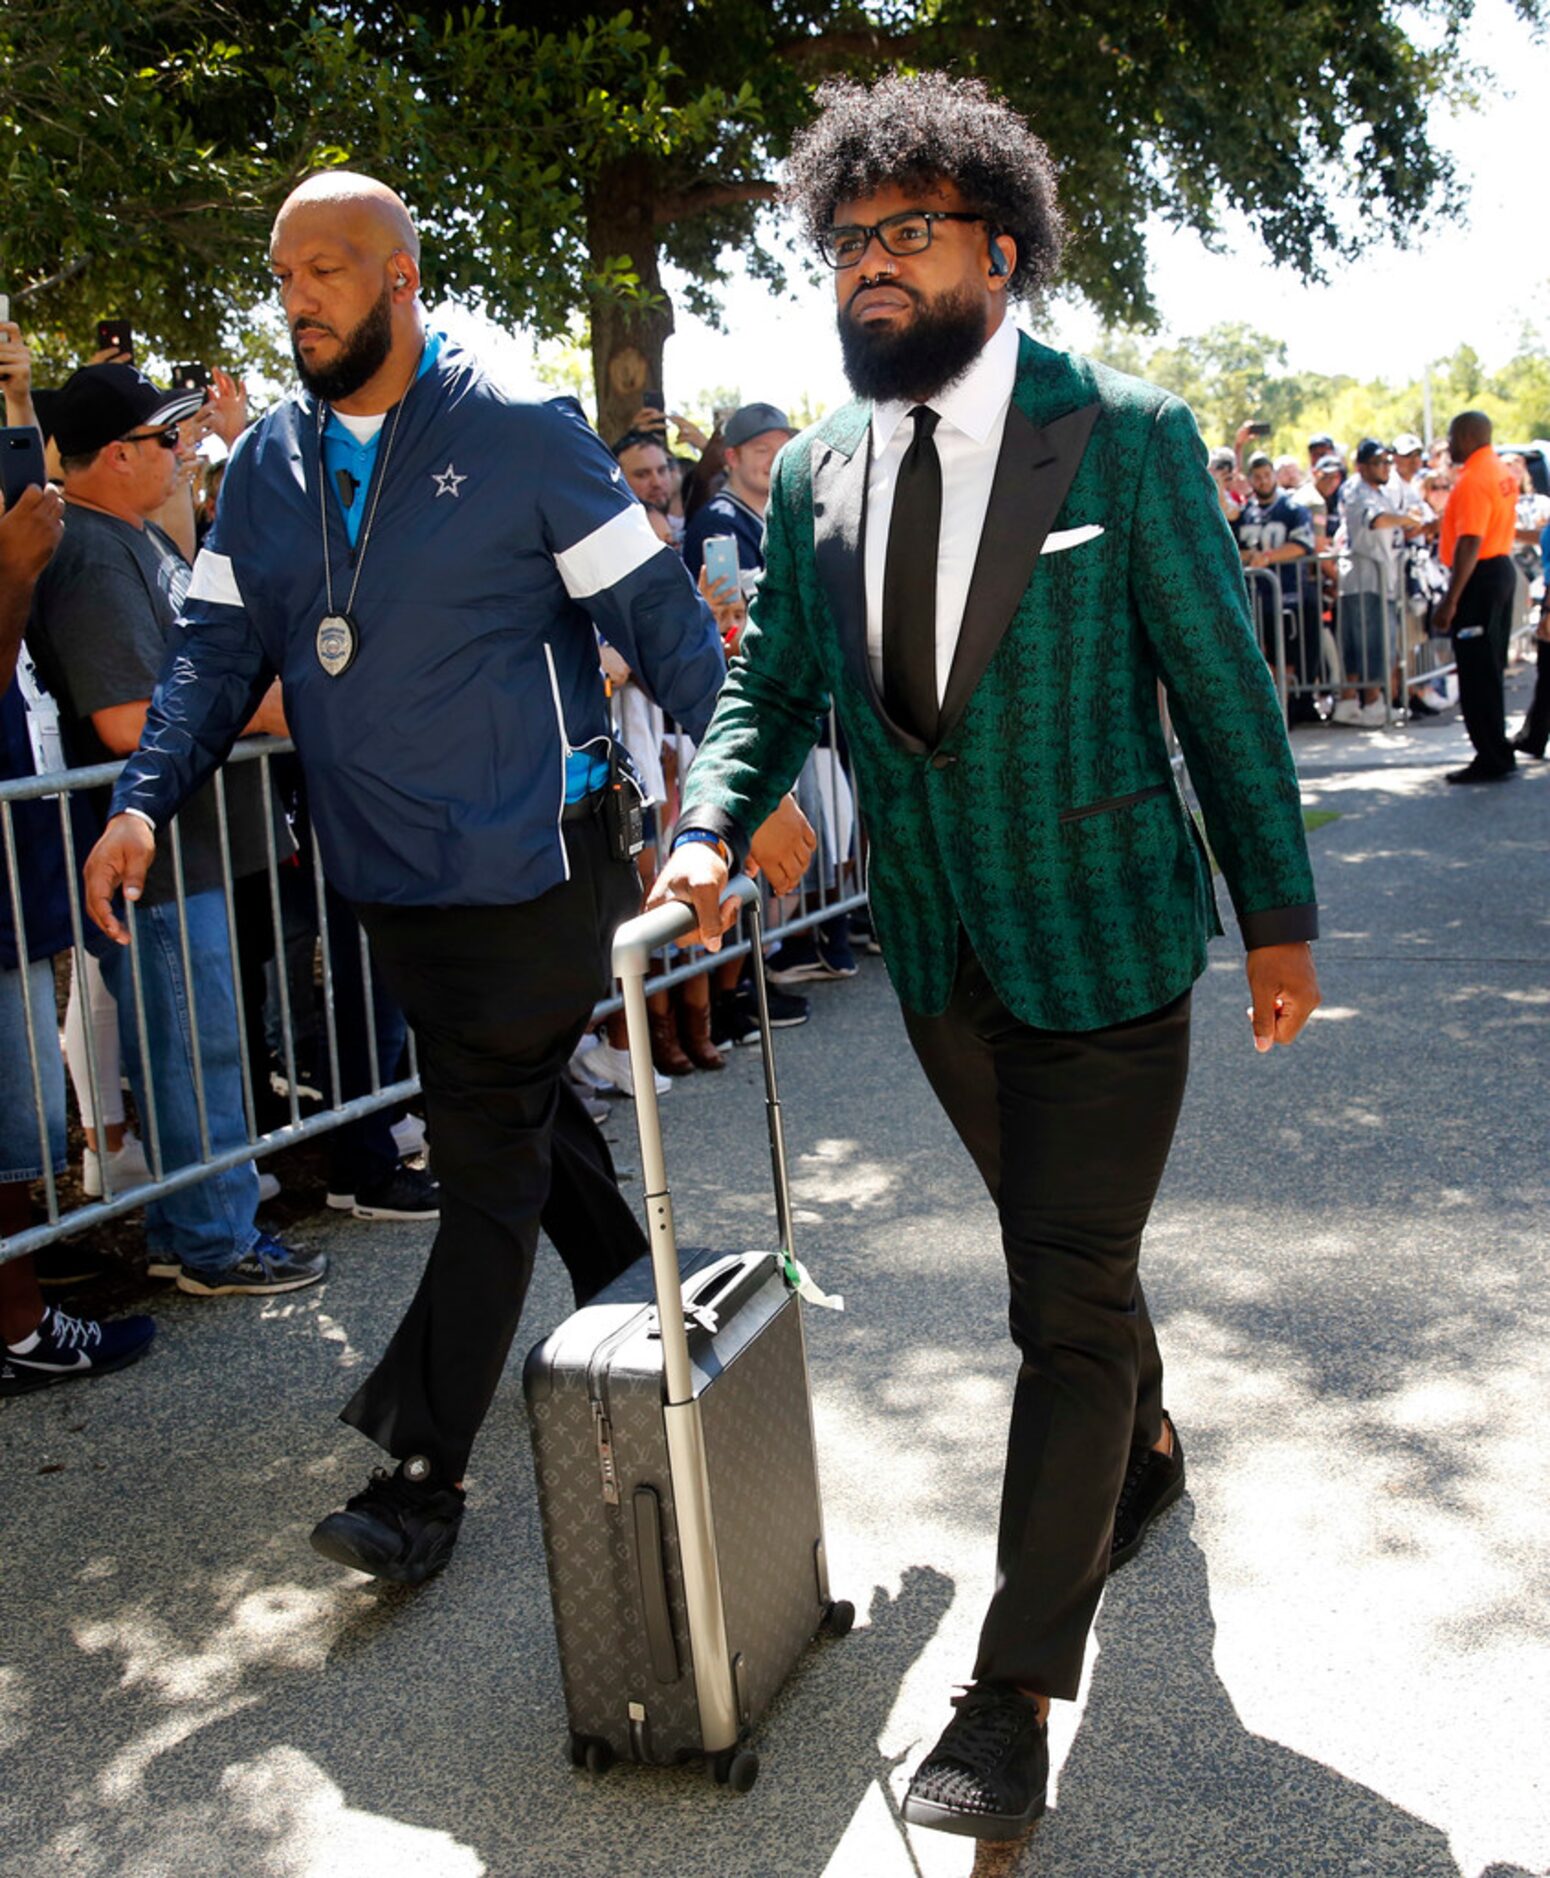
x=990 y=561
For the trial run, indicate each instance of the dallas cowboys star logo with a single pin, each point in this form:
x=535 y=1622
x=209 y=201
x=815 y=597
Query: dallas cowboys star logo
x=447 y=481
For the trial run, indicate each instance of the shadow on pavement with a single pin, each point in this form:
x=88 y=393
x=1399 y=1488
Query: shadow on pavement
x=1164 y=1781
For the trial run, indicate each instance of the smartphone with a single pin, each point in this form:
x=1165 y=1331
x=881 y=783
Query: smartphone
x=721 y=568
x=5 y=307
x=1259 y=430
x=119 y=334
x=651 y=399
x=21 y=462
x=191 y=377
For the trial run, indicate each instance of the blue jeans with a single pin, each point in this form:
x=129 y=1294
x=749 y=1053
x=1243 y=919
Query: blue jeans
x=208 y=1226
x=20 y=1147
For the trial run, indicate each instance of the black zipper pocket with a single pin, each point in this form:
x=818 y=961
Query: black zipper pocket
x=1115 y=802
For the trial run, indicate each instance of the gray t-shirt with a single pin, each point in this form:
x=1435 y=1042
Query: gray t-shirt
x=1370 y=563
x=103 y=613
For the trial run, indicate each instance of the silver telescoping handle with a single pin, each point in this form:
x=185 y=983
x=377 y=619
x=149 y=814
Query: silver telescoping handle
x=634 y=944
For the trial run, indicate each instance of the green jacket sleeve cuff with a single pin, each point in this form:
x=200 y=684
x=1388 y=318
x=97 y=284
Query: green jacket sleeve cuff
x=1279 y=926
x=716 y=822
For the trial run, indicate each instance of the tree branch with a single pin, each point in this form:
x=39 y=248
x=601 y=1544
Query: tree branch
x=699 y=198
x=835 y=51
x=78 y=266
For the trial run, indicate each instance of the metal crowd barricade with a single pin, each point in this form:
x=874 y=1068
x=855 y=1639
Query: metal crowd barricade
x=824 y=894
x=1267 y=609
x=63 y=787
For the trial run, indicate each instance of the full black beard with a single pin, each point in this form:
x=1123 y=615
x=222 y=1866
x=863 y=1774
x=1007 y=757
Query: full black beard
x=943 y=340
x=364 y=353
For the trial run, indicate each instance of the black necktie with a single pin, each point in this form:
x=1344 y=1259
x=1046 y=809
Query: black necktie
x=909 y=584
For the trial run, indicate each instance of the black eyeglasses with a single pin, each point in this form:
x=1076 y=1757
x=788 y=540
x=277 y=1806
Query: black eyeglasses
x=905 y=234
x=168 y=438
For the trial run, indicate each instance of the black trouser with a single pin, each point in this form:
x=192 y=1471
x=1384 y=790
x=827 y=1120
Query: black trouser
x=498 y=997
x=1071 y=1131
x=1535 y=728
x=1482 y=631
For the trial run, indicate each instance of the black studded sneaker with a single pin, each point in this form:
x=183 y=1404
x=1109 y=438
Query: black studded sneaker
x=402 y=1526
x=987 y=1775
x=1152 y=1481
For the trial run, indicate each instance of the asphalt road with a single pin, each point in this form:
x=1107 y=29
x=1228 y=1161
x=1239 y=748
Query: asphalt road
x=1332 y=1658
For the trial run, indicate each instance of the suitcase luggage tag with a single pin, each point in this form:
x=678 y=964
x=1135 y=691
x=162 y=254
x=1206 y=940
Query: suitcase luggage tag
x=802 y=1283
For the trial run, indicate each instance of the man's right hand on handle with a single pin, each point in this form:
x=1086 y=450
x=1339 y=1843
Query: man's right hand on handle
x=697 y=875
x=120 y=859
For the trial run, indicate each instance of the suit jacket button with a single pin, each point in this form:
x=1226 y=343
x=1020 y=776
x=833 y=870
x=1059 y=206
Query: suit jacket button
x=942 y=759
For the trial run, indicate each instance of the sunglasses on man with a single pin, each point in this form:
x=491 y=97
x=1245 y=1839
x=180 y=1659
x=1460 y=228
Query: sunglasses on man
x=168 y=438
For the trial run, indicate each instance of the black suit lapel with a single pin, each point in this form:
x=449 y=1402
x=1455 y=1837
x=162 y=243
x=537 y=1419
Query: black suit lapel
x=839 y=536
x=1033 y=472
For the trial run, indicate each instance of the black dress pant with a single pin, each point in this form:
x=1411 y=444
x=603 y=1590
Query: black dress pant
x=1535 y=729
x=1071 y=1132
x=1482 y=632
x=498 y=997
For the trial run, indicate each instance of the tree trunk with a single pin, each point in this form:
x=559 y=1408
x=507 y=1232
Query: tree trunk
x=627 y=338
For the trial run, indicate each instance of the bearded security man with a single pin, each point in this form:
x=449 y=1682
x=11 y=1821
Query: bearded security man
x=423 y=559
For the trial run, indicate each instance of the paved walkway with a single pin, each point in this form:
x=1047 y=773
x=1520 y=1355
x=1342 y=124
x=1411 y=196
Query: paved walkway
x=1333 y=1658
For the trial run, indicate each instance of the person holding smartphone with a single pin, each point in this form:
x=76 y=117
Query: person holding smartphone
x=16 y=373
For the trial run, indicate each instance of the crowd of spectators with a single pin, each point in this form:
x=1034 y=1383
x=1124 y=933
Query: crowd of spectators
x=1354 y=538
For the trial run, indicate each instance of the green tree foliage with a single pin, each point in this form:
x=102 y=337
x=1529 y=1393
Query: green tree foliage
x=557 y=161
x=1231 y=374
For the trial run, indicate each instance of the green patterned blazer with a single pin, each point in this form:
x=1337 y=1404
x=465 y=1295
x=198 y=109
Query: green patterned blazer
x=1044 y=821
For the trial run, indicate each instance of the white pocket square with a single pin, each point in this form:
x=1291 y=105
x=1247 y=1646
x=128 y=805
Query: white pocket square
x=1064 y=538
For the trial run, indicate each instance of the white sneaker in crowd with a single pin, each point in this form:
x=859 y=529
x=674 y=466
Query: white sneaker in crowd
x=1346 y=711
x=127 y=1167
x=1374 y=716
x=606 y=1066
x=409 y=1137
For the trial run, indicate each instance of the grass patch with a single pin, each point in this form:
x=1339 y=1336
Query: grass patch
x=1316 y=818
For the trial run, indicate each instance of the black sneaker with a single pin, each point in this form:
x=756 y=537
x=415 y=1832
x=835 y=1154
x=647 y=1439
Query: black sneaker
x=406 y=1193
x=787 y=1008
x=1152 y=1481
x=403 y=1526
x=987 y=1775
x=269 y=1268
x=64 y=1264
x=65 y=1348
x=1479 y=772
x=732 y=1020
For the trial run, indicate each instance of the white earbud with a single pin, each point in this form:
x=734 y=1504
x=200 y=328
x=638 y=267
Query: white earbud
x=400 y=281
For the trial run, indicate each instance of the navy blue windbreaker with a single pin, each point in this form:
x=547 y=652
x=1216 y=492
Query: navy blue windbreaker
x=435 y=764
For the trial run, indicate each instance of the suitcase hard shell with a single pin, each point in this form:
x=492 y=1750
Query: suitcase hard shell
x=677 y=1474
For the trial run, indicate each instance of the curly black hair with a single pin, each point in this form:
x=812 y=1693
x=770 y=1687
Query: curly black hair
x=924 y=129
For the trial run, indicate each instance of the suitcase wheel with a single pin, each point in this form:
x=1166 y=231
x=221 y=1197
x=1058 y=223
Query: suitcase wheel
x=589 y=1752
x=737 y=1768
x=839 y=1617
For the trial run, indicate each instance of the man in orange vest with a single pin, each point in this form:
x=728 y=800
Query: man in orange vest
x=1478 y=531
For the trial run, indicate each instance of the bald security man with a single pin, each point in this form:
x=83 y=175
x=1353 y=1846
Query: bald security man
x=425 y=560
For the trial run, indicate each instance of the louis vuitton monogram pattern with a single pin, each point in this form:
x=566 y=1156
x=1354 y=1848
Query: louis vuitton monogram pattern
x=751 y=1382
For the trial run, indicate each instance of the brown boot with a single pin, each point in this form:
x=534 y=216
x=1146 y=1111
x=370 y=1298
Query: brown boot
x=666 y=1051
x=694 y=1030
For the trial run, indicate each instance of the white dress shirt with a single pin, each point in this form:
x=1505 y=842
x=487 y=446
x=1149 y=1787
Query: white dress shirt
x=972 y=411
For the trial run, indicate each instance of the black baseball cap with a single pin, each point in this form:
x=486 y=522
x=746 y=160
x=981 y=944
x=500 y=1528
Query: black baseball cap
x=1258 y=458
x=99 y=404
x=1330 y=465
x=1369 y=447
x=1321 y=438
x=753 y=420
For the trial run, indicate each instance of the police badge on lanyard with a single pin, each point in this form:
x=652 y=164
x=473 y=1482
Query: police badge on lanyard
x=338 y=641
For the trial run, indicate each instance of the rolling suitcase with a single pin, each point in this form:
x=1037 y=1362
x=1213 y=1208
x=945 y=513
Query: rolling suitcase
x=677 y=1477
